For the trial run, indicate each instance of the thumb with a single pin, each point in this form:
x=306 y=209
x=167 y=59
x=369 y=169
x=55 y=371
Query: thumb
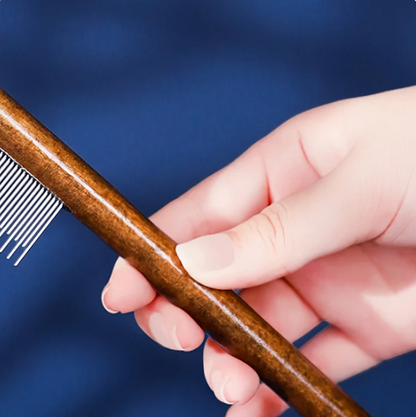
x=326 y=217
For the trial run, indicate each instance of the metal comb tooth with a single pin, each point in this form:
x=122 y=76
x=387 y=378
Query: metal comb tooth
x=27 y=208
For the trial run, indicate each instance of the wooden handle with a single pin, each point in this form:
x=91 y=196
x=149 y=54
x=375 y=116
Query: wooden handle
x=222 y=314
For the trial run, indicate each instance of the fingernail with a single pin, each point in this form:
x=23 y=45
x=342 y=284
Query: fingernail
x=207 y=253
x=103 y=294
x=164 y=333
x=119 y=266
x=219 y=384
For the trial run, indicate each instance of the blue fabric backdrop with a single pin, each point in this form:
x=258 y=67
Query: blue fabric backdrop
x=156 y=95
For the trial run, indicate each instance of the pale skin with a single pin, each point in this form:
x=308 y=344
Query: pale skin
x=315 y=222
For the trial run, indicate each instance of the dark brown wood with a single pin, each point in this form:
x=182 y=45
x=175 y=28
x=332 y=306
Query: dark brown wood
x=222 y=314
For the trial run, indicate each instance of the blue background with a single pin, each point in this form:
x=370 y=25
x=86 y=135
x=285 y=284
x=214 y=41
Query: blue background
x=156 y=95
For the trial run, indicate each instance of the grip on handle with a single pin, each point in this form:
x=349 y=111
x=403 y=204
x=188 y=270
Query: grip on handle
x=222 y=314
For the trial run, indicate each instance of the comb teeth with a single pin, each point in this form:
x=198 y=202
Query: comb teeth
x=26 y=208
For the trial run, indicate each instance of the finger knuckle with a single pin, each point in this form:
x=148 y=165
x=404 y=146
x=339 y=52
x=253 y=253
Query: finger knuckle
x=270 y=227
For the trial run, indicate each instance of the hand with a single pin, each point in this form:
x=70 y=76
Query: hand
x=327 y=201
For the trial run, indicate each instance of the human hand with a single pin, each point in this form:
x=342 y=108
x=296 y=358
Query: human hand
x=327 y=201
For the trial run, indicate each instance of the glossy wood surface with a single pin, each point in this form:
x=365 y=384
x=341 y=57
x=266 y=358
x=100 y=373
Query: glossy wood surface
x=222 y=314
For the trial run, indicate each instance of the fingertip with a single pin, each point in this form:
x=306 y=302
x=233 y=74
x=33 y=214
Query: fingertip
x=169 y=326
x=127 y=289
x=265 y=403
x=121 y=264
x=241 y=388
x=207 y=253
x=189 y=334
x=208 y=258
x=232 y=381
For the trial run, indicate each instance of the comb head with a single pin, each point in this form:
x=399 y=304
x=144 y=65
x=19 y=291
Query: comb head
x=26 y=208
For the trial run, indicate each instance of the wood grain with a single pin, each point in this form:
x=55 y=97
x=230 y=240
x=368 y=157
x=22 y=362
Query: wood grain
x=222 y=314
